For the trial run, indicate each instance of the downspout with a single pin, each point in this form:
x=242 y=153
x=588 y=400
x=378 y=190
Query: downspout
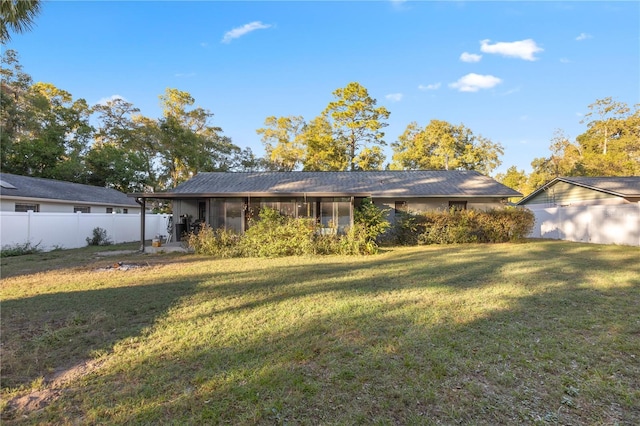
x=142 y=203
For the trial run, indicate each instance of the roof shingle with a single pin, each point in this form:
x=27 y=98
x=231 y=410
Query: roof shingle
x=32 y=187
x=431 y=183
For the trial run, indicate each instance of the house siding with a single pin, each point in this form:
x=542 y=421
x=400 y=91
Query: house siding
x=565 y=194
x=47 y=206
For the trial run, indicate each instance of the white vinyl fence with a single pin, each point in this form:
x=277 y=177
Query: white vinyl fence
x=70 y=230
x=615 y=224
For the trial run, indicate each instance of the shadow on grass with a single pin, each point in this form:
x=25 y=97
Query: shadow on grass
x=57 y=330
x=375 y=340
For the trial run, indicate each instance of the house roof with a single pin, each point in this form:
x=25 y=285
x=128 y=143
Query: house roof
x=407 y=184
x=28 y=187
x=621 y=186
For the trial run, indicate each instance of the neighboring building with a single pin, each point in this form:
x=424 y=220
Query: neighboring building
x=24 y=193
x=228 y=200
x=584 y=191
x=603 y=210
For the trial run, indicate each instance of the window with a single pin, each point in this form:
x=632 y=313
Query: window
x=125 y=211
x=226 y=213
x=109 y=209
x=27 y=207
x=457 y=205
x=335 y=213
x=81 y=209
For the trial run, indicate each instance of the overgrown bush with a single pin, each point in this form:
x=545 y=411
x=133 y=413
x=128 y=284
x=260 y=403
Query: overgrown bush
x=19 y=249
x=215 y=242
x=405 y=229
x=99 y=238
x=372 y=218
x=276 y=235
x=474 y=226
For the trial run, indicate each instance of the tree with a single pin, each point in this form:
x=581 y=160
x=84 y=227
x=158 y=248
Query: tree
x=45 y=132
x=358 y=122
x=187 y=143
x=611 y=144
x=17 y=16
x=323 y=152
x=514 y=179
x=282 y=140
x=117 y=159
x=443 y=146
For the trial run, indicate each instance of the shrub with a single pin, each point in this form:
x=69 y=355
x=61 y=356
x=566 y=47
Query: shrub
x=19 y=249
x=215 y=242
x=275 y=235
x=405 y=229
x=469 y=226
x=99 y=238
x=372 y=218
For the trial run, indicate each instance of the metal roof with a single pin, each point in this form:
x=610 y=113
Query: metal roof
x=621 y=186
x=398 y=184
x=49 y=189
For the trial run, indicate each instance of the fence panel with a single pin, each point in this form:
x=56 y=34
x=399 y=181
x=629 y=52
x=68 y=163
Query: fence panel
x=70 y=230
x=615 y=224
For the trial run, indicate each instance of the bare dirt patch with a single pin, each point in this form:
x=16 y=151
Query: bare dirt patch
x=54 y=385
x=120 y=266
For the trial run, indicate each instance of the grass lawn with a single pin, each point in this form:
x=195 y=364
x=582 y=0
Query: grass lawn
x=536 y=333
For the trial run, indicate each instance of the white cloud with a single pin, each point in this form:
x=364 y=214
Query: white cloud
x=243 y=30
x=565 y=61
x=583 y=36
x=434 y=86
x=474 y=82
x=111 y=98
x=204 y=44
x=523 y=49
x=394 y=97
x=470 y=57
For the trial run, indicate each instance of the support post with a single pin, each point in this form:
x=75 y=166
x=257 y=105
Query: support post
x=142 y=202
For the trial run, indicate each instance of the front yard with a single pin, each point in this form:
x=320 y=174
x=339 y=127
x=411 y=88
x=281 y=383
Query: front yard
x=537 y=333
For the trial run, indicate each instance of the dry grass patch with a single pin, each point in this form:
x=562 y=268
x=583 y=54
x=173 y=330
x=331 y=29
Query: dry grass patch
x=542 y=332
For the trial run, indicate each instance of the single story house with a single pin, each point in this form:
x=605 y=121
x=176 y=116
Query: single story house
x=25 y=193
x=603 y=210
x=229 y=200
x=584 y=191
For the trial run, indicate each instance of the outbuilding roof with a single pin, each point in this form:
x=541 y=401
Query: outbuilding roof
x=621 y=186
x=50 y=189
x=407 y=184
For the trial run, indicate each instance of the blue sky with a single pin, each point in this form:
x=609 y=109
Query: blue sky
x=513 y=72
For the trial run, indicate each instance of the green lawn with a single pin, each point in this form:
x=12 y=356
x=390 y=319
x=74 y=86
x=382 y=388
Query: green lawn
x=534 y=333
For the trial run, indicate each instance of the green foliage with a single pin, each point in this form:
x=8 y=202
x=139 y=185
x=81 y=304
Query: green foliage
x=405 y=229
x=373 y=219
x=358 y=122
x=276 y=235
x=443 y=146
x=99 y=238
x=223 y=243
x=462 y=226
x=17 y=16
x=475 y=226
x=282 y=142
x=19 y=249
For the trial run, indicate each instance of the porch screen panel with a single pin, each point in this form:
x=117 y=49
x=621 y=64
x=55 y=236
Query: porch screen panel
x=306 y=209
x=343 y=213
x=326 y=213
x=216 y=216
x=335 y=213
x=233 y=219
